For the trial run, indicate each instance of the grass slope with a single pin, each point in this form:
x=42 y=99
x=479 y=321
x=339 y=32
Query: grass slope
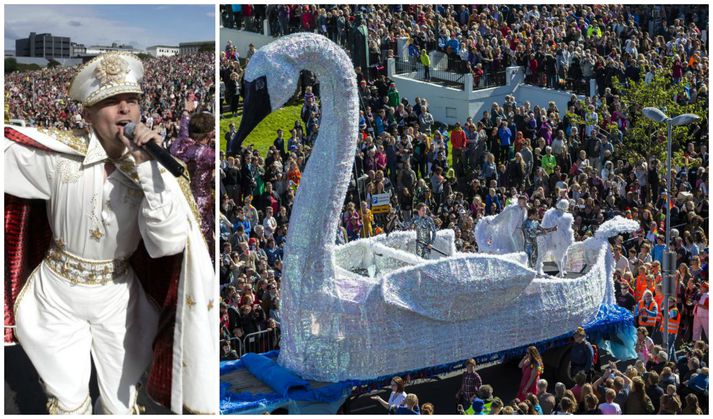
x=264 y=134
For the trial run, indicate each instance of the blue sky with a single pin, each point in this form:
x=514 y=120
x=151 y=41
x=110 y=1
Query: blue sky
x=137 y=25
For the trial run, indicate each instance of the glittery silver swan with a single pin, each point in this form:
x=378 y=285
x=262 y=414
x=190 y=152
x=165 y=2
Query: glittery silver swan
x=406 y=313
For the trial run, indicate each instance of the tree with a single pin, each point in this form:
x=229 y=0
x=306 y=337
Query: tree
x=207 y=48
x=10 y=65
x=645 y=138
x=53 y=63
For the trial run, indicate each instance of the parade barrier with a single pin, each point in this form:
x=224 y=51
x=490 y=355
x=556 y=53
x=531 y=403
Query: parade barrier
x=258 y=342
x=237 y=343
x=262 y=341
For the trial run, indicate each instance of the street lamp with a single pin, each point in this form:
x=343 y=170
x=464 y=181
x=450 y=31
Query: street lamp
x=658 y=116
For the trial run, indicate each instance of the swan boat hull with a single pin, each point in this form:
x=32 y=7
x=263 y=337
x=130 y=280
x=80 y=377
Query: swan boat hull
x=365 y=327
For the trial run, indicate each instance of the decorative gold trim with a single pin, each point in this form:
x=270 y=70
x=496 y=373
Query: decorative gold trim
x=112 y=69
x=185 y=186
x=54 y=408
x=69 y=170
x=69 y=138
x=96 y=234
x=127 y=166
x=23 y=291
x=78 y=270
x=98 y=231
x=112 y=90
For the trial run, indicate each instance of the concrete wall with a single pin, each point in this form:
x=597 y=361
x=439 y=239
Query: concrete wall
x=446 y=103
x=242 y=39
x=541 y=96
x=482 y=100
x=449 y=105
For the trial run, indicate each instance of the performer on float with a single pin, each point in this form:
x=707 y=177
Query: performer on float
x=82 y=302
x=531 y=229
x=502 y=233
x=425 y=231
x=556 y=245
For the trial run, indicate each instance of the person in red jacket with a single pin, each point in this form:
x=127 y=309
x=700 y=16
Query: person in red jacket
x=459 y=141
x=307 y=19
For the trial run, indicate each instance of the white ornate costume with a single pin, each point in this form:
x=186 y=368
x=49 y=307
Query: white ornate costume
x=501 y=233
x=555 y=245
x=85 y=297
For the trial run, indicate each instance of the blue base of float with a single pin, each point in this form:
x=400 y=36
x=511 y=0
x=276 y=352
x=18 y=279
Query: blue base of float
x=612 y=329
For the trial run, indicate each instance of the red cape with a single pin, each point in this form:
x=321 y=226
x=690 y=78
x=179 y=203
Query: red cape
x=27 y=238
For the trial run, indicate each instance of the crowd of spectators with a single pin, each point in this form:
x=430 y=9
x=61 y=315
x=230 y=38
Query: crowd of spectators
x=171 y=84
x=656 y=385
x=476 y=168
x=559 y=46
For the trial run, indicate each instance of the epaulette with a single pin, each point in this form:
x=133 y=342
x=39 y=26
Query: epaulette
x=76 y=139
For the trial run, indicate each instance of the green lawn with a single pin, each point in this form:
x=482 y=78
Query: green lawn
x=264 y=134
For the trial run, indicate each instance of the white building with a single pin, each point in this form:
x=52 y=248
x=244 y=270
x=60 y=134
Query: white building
x=162 y=50
x=100 y=49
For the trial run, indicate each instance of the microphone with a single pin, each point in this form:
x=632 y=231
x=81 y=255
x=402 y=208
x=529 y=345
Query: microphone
x=157 y=152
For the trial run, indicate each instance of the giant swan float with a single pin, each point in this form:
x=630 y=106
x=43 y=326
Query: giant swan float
x=406 y=312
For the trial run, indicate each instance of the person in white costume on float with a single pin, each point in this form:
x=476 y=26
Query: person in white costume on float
x=555 y=244
x=104 y=194
x=502 y=233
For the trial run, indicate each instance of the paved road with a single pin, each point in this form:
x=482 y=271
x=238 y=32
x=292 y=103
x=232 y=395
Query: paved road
x=24 y=395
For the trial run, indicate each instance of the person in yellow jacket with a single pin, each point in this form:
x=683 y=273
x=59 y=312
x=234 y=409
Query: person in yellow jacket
x=367 y=217
x=594 y=30
x=426 y=62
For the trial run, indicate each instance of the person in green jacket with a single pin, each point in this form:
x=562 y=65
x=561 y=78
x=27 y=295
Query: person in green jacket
x=594 y=30
x=548 y=161
x=426 y=61
x=393 y=95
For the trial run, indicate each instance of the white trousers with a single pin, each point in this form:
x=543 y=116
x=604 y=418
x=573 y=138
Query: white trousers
x=59 y=324
x=700 y=323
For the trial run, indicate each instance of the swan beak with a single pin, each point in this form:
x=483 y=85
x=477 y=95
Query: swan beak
x=256 y=107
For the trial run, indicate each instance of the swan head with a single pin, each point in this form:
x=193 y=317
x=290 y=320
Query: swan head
x=270 y=80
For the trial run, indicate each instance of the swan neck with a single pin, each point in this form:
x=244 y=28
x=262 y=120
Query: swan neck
x=318 y=202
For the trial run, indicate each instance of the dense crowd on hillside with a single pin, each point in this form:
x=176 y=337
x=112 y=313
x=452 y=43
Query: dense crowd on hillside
x=560 y=46
x=171 y=84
